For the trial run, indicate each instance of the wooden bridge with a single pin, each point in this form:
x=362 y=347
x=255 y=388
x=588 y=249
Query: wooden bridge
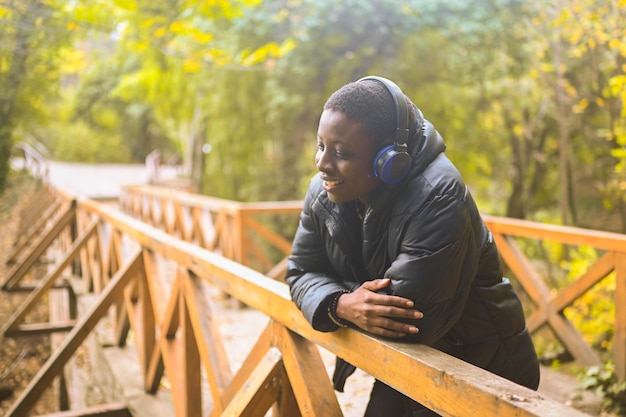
x=147 y=266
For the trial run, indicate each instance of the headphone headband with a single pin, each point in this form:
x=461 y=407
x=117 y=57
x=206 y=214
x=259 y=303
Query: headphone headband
x=402 y=111
x=392 y=163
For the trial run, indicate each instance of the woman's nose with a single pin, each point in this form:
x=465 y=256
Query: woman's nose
x=322 y=161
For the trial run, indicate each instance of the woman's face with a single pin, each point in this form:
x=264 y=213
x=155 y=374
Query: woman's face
x=344 y=158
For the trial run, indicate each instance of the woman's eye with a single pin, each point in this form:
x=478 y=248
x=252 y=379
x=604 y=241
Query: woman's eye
x=320 y=146
x=342 y=155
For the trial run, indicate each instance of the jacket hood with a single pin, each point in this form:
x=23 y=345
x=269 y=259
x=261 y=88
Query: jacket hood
x=426 y=145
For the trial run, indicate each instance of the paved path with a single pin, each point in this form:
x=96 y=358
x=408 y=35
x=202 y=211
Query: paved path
x=101 y=181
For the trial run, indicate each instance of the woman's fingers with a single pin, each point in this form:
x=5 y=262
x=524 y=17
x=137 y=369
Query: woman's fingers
x=375 y=312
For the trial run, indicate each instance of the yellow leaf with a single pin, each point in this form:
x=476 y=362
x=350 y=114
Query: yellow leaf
x=192 y=65
x=287 y=46
x=518 y=130
x=153 y=21
x=545 y=67
x=580 y=107
x=600 y=102
x=570 y=90
x=178 y=27
x=592 y=44
x=72 y=27
x=160 y=32
x=4 y=12
x=576 y=36
x=614 y=43
x=74 y=61
x=202 y=37
x=126 y=4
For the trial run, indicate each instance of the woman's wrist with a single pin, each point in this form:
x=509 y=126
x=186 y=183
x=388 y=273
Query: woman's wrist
x=332 y=310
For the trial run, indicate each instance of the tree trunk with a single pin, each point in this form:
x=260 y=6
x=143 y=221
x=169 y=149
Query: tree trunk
x=560 y=98
x=195 y=152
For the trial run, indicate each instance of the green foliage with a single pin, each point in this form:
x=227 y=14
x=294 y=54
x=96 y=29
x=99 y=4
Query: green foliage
x=504 y=81
x=602 y=379
x=593 y=314
x=31 y=42
x=79 y=143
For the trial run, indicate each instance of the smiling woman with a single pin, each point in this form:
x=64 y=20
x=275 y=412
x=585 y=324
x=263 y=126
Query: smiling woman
x=391 y=242
x=344 y=157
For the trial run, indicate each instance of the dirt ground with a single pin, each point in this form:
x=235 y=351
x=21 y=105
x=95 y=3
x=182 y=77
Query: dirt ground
x=20 y=358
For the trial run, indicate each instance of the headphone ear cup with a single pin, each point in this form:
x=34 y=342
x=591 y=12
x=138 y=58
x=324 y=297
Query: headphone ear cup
x=390 y=165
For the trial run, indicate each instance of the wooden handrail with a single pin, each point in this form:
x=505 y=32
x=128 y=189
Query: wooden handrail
x=565 y=234
x=175 y=334
x=232 y=223
x=230 y=234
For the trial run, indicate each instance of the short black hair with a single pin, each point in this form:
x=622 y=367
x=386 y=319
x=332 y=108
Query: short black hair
x=370 y=103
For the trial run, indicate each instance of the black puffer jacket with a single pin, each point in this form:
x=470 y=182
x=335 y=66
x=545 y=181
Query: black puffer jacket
x=426 y=234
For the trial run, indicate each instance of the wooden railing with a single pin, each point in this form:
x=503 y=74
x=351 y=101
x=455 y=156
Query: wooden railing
x=550 y=304
x=121 y=260
x=230 y=228
x=172 y=211
x=34 y=162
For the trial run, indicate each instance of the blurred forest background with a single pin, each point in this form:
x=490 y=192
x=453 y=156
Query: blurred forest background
x=529 y=95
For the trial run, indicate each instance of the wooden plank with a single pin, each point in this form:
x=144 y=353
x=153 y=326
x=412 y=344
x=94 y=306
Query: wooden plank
x=573 y=341
x=179 y=219
x=303 y=363
x=29 y=286
x=268 y=235
x=260 y=391
x=595 y=274
x=32 y=329
x=244 y=373
x=287 y=405
x=54 y=365
x=208 y=337
x=526 y=275
x=147 y=333
x=191 y=369
x=18 y=272
x=47 y=282
x=196 y=226
x=169 y=324
x=104 y=410
x=564 y=234
x=220 y=227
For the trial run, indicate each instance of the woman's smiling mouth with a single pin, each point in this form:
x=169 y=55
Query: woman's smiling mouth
x=330 y=184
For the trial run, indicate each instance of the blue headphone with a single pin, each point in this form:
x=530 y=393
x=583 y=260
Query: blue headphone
x=393 y=162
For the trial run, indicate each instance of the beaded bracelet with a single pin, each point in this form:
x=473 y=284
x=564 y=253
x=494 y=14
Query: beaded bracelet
x=332 y=310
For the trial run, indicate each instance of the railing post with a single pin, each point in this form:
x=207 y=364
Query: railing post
x=240 y=241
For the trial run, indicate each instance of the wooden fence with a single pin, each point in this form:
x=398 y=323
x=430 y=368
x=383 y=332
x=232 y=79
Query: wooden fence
x=33 y=161
x=234 y=226
x=120 y=259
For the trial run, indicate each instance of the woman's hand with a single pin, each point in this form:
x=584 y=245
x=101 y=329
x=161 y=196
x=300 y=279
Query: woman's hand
x=374 y=312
